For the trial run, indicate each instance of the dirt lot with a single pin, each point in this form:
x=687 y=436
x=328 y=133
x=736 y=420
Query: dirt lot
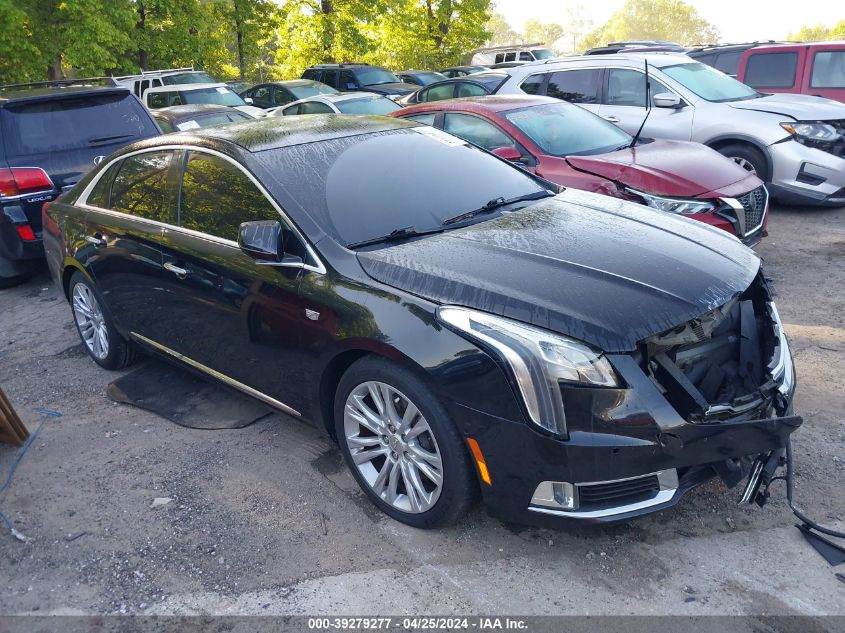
x=265 y=520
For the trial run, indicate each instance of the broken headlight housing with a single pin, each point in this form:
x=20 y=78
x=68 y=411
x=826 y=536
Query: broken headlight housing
x=683 y=206
x=781 y=369
x=538 y=359
x=810 y=133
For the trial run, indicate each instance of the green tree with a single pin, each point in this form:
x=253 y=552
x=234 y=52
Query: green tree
x=819 y=33
x=501 y=33
x=671 y=20
x=88 y=37
x=546 y=33
x=20 y=59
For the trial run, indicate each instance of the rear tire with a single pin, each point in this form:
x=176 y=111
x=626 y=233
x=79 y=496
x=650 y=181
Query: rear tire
x=749 y=158
x=403 y=450
x=96 y=328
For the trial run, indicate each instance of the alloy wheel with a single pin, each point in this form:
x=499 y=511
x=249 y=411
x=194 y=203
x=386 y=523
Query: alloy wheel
x=393 y=447
x=91 y=322
x=746 y=164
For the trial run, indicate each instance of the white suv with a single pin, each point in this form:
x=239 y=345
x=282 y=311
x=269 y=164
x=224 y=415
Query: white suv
x=796 y=143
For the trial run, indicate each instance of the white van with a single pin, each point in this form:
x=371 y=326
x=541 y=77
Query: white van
x=516 y=53
x=139 y=84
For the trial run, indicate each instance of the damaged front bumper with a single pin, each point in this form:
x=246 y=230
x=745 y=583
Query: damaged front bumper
x=706 y=399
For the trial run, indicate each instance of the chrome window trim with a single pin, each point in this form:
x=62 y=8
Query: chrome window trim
x=216 y=374
x=82 y=201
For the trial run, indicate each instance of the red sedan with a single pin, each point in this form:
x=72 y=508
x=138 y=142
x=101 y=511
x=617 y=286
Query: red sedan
x=575 y=148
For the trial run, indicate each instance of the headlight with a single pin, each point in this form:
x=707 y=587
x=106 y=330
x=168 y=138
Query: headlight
x=674 y=205
x=783 y=370
x=819 y=132
x=539 y=360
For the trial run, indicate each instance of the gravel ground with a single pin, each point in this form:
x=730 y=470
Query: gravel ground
x=266 y=520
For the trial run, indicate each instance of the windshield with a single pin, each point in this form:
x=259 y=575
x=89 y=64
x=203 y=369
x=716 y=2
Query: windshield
x=197 y=77
x=375 y=76
x=429 y=78
x=415 y=177
x=367 y=105
x=542 y=53
x=708 y=83
x=217 y=96
x=563 y=129
x=309 y=90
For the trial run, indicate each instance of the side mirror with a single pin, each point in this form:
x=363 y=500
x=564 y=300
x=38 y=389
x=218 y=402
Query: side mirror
x=248 y=100
x=264 y=241
x=508 y=153
x=667 y=100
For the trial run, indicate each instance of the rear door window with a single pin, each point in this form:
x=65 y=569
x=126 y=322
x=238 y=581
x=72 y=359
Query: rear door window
x=426 y=119
x=314 y=107
x=217 y=196
x=261 y=97
x=575 y=86
x=771 y=70
x=476 y=130
x=142 y=186
x=437 y=93
x=330 y=78
x=69 y=124
x=467 y=89
x=828 y=69
x=533 y=85
x=728 y=62
x=347 y=80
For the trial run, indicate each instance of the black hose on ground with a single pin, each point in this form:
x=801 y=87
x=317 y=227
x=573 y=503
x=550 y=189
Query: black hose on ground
x=804 y=518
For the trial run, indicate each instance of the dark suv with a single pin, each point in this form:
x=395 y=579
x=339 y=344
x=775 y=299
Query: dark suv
x=50 y=135
x=349 y=77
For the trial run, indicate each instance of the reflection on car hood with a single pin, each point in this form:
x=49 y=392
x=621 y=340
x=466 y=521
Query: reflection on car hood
x=666 y=168
x=799 y=107
x=599 y=269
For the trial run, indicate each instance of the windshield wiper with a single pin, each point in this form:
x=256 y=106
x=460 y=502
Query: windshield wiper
x=496 y=203
x=103 y=140
x=394 y=235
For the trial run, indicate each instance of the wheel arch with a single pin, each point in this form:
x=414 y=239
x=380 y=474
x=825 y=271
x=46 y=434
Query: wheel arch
x=69 y=269
x=719 y=142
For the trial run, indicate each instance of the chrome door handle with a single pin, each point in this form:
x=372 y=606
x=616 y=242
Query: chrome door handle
x=181 y=273
x=96 y=241
x=612 y=119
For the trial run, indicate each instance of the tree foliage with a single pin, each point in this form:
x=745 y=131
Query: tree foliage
x=563 y=38
x=672 y=20
x=819 y=33
x=231 y=38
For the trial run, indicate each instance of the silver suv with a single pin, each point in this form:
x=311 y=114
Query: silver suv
x=796 y=143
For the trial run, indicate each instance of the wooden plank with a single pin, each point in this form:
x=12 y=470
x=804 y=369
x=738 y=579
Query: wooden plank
x=12 y=430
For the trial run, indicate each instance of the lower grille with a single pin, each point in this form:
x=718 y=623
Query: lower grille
x=754 y=204
x=617 y=492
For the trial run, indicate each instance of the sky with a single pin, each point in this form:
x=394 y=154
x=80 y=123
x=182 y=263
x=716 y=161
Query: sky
x=737 y=20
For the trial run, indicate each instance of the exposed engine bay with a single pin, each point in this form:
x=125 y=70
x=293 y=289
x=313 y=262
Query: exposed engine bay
x=723 y=364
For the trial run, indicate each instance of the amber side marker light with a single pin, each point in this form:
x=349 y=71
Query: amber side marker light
x=479 y=461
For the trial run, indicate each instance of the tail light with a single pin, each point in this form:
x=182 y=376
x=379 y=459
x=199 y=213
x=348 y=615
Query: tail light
x=25 y=232
x=24 y=180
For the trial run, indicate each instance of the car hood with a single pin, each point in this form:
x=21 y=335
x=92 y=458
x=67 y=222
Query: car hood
x=398 y=88
x=666 y=168
x=799 y=107
x=602 y=270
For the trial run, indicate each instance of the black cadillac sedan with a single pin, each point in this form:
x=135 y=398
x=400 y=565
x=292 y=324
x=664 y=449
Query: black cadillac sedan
x=568 y=355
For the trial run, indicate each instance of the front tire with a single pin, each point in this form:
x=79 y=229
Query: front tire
x=402 y=448
x=96 y=328
x=747 y=157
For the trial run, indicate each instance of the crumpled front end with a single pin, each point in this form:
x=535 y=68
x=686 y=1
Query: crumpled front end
x=700 y=400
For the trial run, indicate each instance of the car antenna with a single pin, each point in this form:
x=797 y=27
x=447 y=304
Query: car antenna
x=647 y=107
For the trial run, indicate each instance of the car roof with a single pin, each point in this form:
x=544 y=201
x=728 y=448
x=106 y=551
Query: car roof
x=827 y=44
x=336 y=98
x=185 y=87
x=22 y=93
x=289 y=83
x=270 y=133
x=486 y=103
x=172 y=113
x=655 y=58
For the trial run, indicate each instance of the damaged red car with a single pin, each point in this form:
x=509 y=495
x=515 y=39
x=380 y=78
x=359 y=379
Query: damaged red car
x=570 y=146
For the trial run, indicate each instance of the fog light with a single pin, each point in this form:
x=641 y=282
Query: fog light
x=555 y=494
